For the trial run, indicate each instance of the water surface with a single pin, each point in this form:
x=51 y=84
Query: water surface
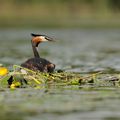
x=76 y=50
x=79 y=50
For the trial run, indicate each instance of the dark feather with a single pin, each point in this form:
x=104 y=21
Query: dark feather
x=35 y=35
x=39 y=64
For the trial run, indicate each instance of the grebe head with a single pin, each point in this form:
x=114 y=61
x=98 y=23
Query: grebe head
x=37 y=38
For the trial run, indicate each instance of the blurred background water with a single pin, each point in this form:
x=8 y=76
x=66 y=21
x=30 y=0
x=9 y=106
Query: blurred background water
x=86 y=31
x=77 y=50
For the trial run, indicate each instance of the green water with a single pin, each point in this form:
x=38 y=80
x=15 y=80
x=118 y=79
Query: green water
x=76 y=50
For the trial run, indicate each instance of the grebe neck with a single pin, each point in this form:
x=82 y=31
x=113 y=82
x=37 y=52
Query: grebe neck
x=36 y=54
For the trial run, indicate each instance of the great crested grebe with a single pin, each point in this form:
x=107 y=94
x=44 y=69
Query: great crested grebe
x=37 y=63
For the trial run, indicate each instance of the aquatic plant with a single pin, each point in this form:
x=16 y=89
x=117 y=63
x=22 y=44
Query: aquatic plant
x=21 y=77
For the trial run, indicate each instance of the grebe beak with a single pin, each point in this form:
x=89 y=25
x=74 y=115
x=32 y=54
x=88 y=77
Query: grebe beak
x=49 y=39
x=45 y=38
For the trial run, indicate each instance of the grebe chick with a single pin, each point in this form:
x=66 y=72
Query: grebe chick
x=37 y=63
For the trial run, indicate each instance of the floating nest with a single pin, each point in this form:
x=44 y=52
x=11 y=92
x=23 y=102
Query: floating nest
x=21 y=77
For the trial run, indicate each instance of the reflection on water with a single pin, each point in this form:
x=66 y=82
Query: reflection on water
x=79 y=50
